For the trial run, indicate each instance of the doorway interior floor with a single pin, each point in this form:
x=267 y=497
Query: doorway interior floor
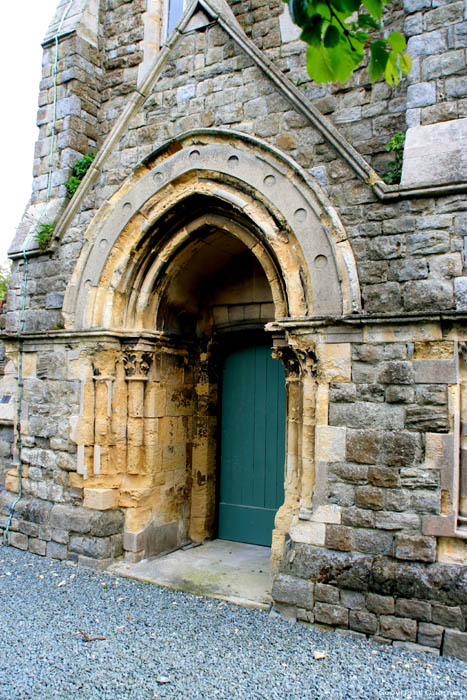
x=231 y=571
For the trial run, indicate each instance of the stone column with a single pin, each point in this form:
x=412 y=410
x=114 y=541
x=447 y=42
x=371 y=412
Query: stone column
x=103 y=376
x=463 y=436
x=137 y=364
x=204 y=446
x=308 y=368
x=293 y=432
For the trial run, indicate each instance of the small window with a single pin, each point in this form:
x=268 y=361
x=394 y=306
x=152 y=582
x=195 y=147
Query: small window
x=174 y=12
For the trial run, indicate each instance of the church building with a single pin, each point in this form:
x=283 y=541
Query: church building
x=235 y=328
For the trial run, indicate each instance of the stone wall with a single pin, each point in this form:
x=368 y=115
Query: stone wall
x=372 y=535
x=366 y=556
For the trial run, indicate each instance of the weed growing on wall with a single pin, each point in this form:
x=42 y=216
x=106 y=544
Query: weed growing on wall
x=393 y=174
x=80 y=169
x=44 y=234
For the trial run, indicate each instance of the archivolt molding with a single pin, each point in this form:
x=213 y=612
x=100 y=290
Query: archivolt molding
x=296 y=222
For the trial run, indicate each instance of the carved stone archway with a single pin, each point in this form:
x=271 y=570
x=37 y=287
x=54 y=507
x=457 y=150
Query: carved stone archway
x=148 y=438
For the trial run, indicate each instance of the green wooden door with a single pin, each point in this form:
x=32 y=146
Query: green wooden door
x=252 y=445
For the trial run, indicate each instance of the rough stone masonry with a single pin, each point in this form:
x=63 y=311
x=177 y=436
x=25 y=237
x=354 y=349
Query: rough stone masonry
x=224 y=202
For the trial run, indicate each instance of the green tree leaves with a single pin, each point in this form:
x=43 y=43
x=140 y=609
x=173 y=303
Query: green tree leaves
x=334 y=32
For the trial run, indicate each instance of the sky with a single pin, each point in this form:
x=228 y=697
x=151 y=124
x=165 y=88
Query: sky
x=23 y=28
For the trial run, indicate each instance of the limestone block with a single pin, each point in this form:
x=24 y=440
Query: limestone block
x=12 y=483
x=338 y=537
x=452 y=551
x=309 y=533
x=330 y=443
x=363 y=446
x=416 y=609
x=383 y=476
x=387 y=520
x=448 y=616
x=37 y=546
x=100 y=499
x=363 y=621
x=421 y=94
x=327 y=594
x=358 y=517
x=412 y=647
x=296 y=591
x=398 y=628
x=343 y=334
x=18 y=540
x=435 y=371
x=174 y=457
x=82 y=433
x=322 y=404
x=93 y=547
x=439 y=451
x=27 y=528
x=56 y=550
x=331 y=614
x=455 y=644
x=369 y=497
x=150 y=431
x=136 y=399
x=335 y=363
x=460 y=293
x=371 y=541
x=289 y=31
x=327 y=514
x=179 y=401
x=135 y=459
x=409 y=332
x=135 y=431
x=118 y=458
x=172 y=430
x=365 y=414
x=379 y=604
x=444 y=143
x=415 y=548
x=353 y=600
x=427 y=418
x=430 y=635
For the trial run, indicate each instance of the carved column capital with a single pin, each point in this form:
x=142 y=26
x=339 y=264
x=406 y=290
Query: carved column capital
x=289 y=359
x=308 y=361
x=137 y=364
x=298 y=362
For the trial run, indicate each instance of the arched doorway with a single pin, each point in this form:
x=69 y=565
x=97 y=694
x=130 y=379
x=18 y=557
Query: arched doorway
x=215 y=298
x=207 y=239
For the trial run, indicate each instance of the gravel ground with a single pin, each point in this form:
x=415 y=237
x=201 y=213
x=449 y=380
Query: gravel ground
x=165 y=644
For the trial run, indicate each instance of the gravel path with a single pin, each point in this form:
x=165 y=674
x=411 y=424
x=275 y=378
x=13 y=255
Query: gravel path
x=164 y=644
